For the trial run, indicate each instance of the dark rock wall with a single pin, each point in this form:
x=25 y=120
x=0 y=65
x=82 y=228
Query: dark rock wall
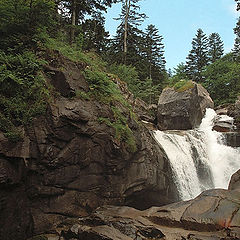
x=69 y=164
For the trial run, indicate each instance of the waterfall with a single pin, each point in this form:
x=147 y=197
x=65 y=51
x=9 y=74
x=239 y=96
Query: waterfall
x=198 y=158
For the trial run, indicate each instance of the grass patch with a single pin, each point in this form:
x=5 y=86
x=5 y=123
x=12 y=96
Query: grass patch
x=82 y=95
x=122 y=132
x=183 y=85
x=74 y=53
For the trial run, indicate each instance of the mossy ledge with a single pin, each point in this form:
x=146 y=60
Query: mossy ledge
x=183 y=85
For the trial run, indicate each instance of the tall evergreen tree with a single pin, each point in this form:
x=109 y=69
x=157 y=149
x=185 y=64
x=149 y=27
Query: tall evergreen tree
x=238 y=4
x=236 y=48
x=197 y=59
x=127 y=42
x=215 y=47
x=154 y=50
x=76 y=10
x=95 y=36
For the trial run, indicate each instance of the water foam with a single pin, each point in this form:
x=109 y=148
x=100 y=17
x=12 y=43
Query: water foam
x=199 y=159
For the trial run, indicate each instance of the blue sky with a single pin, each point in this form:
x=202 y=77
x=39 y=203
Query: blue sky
x=178 y=21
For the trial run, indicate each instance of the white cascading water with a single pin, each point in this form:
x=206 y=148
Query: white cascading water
x=199 y=159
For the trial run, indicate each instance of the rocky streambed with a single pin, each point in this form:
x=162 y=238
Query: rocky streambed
x=213 y=215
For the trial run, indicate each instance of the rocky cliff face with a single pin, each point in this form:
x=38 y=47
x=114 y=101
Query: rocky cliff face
x=69 y=163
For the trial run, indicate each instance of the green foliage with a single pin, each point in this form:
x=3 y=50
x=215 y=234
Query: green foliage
x=149 y=92
x=100 y=84
x=183 y=85
x=79 y=41
x=95 y=36
x=21 y=20
x=222 y=80
x=215 y=47
x=74 y=53
x=142 y=50
x=23 y=91
x=179 y=74
x=197 y=58
x=82 y=95
x=122 y=132
x=145 y=90
x=127 y=74
x=236 y=48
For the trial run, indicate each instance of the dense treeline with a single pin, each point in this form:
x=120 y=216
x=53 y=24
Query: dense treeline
x=207 y=65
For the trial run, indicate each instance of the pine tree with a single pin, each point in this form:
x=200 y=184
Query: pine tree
x=236 y=48
x=198 y=56
x=76 y=10
x=127 y=42
x=215 y=47
x=95 y=36
x=154 y=50
x=238 y=4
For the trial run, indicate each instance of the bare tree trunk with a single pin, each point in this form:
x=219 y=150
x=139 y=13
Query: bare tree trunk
x=150 y=71
x=73 y=21
x=127 y=7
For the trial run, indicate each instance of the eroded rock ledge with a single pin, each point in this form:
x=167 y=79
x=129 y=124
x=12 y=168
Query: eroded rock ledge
x=213 y=215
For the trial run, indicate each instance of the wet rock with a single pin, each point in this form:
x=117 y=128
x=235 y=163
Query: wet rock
x=232 y=139
x=223 y=123
x=235 y=181
x=234 y=111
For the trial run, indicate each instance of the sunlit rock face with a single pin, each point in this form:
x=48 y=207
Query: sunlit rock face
x=182 y=110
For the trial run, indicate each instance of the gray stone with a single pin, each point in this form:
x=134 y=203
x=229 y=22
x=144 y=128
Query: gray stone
x=235 y=181
x=182 y=110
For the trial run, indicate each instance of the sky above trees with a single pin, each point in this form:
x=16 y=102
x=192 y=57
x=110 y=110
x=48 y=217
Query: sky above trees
x=178 y=21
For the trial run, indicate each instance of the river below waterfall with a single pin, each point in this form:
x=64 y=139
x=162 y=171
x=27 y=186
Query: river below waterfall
x=199 y=158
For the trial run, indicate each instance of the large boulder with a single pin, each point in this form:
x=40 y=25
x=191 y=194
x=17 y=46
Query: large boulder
x=183 y=108
x=70 y=162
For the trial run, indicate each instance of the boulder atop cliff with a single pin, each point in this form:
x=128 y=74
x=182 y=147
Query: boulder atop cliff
x=182 y=107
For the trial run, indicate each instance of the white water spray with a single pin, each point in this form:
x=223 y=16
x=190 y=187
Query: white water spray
x=199 y=159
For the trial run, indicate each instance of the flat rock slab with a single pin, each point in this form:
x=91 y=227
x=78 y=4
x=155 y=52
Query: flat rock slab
x=213 y=215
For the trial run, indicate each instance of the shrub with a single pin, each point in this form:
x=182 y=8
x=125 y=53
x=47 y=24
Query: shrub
x=23 y=91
